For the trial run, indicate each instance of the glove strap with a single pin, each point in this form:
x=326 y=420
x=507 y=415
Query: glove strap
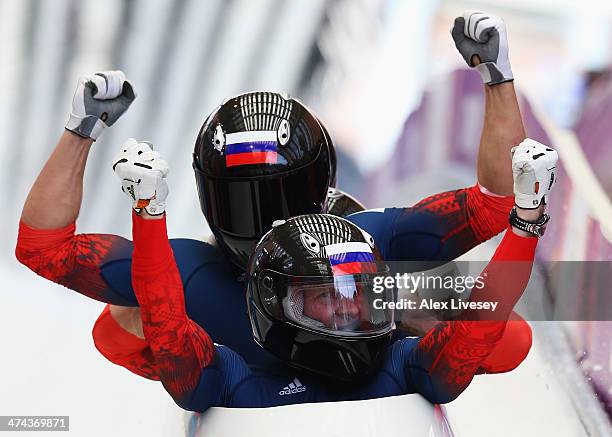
x=154 y=208
x=151 y=206
x=86 y=127
x=536 y=229
x=491 y=74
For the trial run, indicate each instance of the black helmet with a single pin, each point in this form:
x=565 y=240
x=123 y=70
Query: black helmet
x=341 y=204
x=260 y=157
x=312 y=298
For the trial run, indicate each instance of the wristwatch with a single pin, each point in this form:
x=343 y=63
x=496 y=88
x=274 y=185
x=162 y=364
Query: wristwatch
x=534 y=228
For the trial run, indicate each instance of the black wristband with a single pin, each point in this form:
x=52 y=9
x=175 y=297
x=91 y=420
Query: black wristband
x=536 y=229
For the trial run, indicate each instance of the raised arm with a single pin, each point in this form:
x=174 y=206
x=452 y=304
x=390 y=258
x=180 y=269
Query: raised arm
x=182 y=352
x=448 y=357
x=55 y=198
x=481 y=40
x=47 y=243
x=444 y=226
x=181 y=349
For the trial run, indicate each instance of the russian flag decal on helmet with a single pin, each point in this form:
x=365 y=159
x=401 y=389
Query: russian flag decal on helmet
x=251 y=147
x=350 y=258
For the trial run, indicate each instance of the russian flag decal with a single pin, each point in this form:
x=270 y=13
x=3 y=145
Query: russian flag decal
x=251 y=147
x=350 y=258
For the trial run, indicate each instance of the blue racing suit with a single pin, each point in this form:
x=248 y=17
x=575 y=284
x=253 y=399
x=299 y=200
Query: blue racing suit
x=200 y=374
x=439 y=228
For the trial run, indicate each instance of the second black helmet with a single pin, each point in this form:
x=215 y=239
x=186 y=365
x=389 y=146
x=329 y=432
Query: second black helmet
x=260 y=157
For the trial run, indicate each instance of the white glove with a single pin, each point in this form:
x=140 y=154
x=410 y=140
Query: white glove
x=99 y=100
x=534 y=171
x=484 y=35
x=142 y=173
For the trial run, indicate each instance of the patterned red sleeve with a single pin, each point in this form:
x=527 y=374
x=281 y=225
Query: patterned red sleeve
x=180 y=347
x=444 y=226
x=74 y=261
x=122 y=347
x=475 y=209
x=487 y=212
x=454 y=351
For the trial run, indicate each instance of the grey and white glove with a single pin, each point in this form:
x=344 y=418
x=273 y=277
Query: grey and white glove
x=143 y=173
x=98 y=102
x=482 y=35
x=534 y=169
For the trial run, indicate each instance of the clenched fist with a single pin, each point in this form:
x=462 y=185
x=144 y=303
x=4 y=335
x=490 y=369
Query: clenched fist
x=98 y=102
x=534 y=168
x=481 y=40
x=143 y=173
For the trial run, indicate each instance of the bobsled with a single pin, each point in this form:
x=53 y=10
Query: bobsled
x=398 y=415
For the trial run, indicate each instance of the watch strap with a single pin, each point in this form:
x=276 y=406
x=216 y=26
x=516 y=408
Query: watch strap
x=536 y=229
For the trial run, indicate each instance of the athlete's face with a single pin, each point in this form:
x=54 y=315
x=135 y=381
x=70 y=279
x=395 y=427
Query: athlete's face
x=334 y=310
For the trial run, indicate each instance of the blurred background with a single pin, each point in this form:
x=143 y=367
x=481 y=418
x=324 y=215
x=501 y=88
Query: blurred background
x=406 y=117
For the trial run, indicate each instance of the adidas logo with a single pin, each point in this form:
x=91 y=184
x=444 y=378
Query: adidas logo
x=293 y=388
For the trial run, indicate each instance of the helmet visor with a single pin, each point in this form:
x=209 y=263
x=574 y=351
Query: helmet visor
x=246 y=208
x=343 y=305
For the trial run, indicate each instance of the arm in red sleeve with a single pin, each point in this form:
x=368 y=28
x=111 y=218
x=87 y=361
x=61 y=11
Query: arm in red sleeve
x=180 y=347
x=487 y=213
x=446 y=225
x=122 y=347
x=473 y=213
x=74 y=261
x=452 y=352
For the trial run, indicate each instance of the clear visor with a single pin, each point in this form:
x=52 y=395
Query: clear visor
x=344 y=305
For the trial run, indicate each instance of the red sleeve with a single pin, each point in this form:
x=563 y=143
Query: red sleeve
x=446 y=225
x=472 y=209
x=122 y=347
x=74 y=261
x=180 y=347
x=487 y=213
x=512 y=349
x=454 y=351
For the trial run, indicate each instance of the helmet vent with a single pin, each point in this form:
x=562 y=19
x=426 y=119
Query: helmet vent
x=283 y=132
x=265 y=111
x=326 y=229
x=368 y=238
x=219 y=139
x=310 y=243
